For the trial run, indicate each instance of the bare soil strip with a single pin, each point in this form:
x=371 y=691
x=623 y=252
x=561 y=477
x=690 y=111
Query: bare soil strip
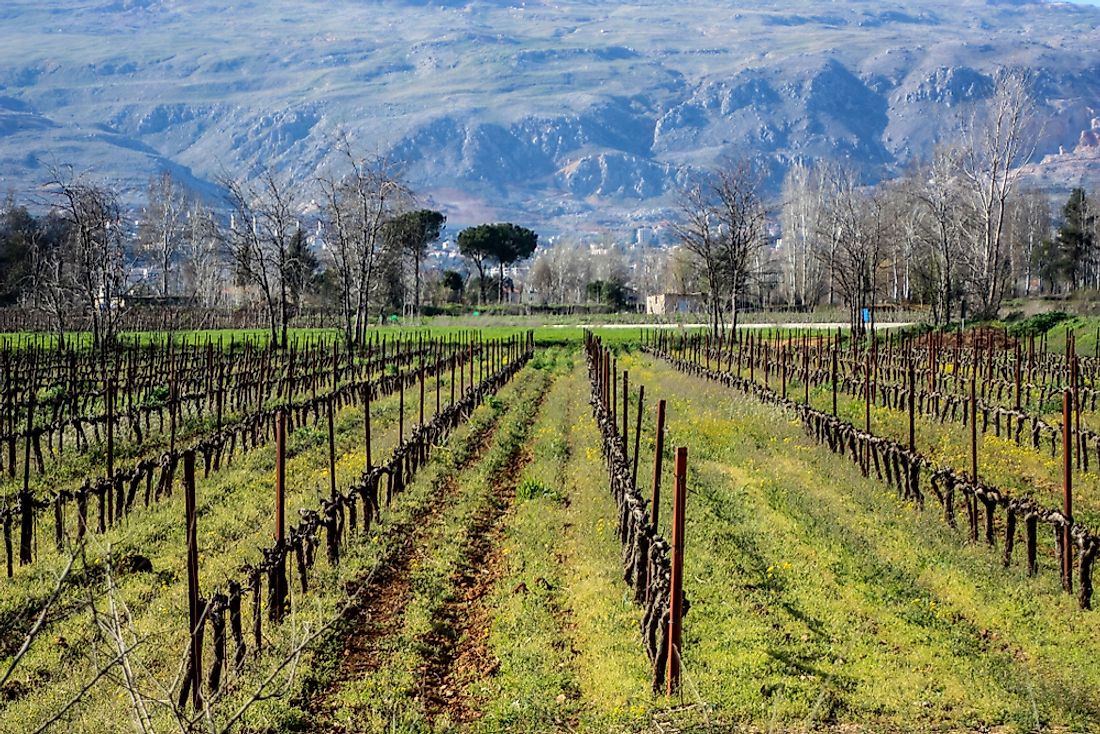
x=460 y=650
x=379 y=612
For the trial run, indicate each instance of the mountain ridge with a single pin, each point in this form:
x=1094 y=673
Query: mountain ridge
x=545 y=113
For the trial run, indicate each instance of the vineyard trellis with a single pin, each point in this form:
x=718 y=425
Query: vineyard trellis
x=902 y=466
x=648 y=559
x=116 y=493
x=342 y=518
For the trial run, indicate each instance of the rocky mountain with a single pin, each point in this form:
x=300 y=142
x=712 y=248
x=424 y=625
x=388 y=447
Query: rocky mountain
x=568 y=115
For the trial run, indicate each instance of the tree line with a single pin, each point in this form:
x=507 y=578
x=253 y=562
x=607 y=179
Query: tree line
x=955 y=233
x=359 y=250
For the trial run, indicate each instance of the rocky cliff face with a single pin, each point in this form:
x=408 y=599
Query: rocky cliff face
x=544 y=112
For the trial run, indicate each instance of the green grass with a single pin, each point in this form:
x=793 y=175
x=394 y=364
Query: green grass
x=1020 y=469
x=234 y=521
x=391 y=698
x=564 y=631
x=817 y=597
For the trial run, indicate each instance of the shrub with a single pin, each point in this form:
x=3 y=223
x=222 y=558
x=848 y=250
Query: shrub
x=531 y=488
x=157 y=397
x=1038 y=324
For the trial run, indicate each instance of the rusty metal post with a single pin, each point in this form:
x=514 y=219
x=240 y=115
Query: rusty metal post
x=400 y=409
x=1067 y=489
x=331 y=447
x=276 y=613
x=194 y=610
x=676 y=593
x=637 y=436
x=973 y=428
x=658 y=459
x=834 y=377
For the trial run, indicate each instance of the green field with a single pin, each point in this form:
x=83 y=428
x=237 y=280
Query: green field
x=490 y=597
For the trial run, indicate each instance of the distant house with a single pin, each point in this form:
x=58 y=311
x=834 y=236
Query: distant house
x=671 y=303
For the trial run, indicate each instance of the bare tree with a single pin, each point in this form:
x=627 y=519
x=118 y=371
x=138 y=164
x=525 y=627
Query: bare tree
x=698 y=230
x=92 y=266
x=856 y=215
x=938 y=193
x=679 y=274
x=163 y=228
x=903 y=221
x=48 y=289
x=802 y=276
x=203 y=259
x=742 y=222
x=996 y=142
x=1029 y=223
x=261 y=241
x=355 y=208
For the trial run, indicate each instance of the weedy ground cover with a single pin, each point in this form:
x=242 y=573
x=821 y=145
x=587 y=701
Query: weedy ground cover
x=490 y=598
x=818 y=598
x=1018 y=468
x=235 y=510
x=564 y=636
x=412 y=681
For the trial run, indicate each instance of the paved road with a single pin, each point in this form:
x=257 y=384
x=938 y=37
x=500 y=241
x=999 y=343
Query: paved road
x=792 y=325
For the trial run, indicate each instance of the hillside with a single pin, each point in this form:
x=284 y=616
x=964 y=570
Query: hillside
x=561 y=115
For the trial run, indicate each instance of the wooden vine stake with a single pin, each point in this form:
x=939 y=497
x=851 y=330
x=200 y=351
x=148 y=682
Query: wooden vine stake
x=626 y=411
x=331 y=449
x=834 y=379
x=912 y=405
x=974 y=428
x=637 y=435
x=1067 y=490
x=676 y=593
x=26 y=501
x=194 y=603
x=972 y=409
x=805 y=371
x=366 y=416
x=658 y=457
x=865 y=463
x=278 y=607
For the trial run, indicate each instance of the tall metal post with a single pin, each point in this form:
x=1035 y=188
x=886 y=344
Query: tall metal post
x=676 y=593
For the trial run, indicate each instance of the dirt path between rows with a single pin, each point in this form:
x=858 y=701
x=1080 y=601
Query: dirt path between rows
x=460 y=645
x=379 y=613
